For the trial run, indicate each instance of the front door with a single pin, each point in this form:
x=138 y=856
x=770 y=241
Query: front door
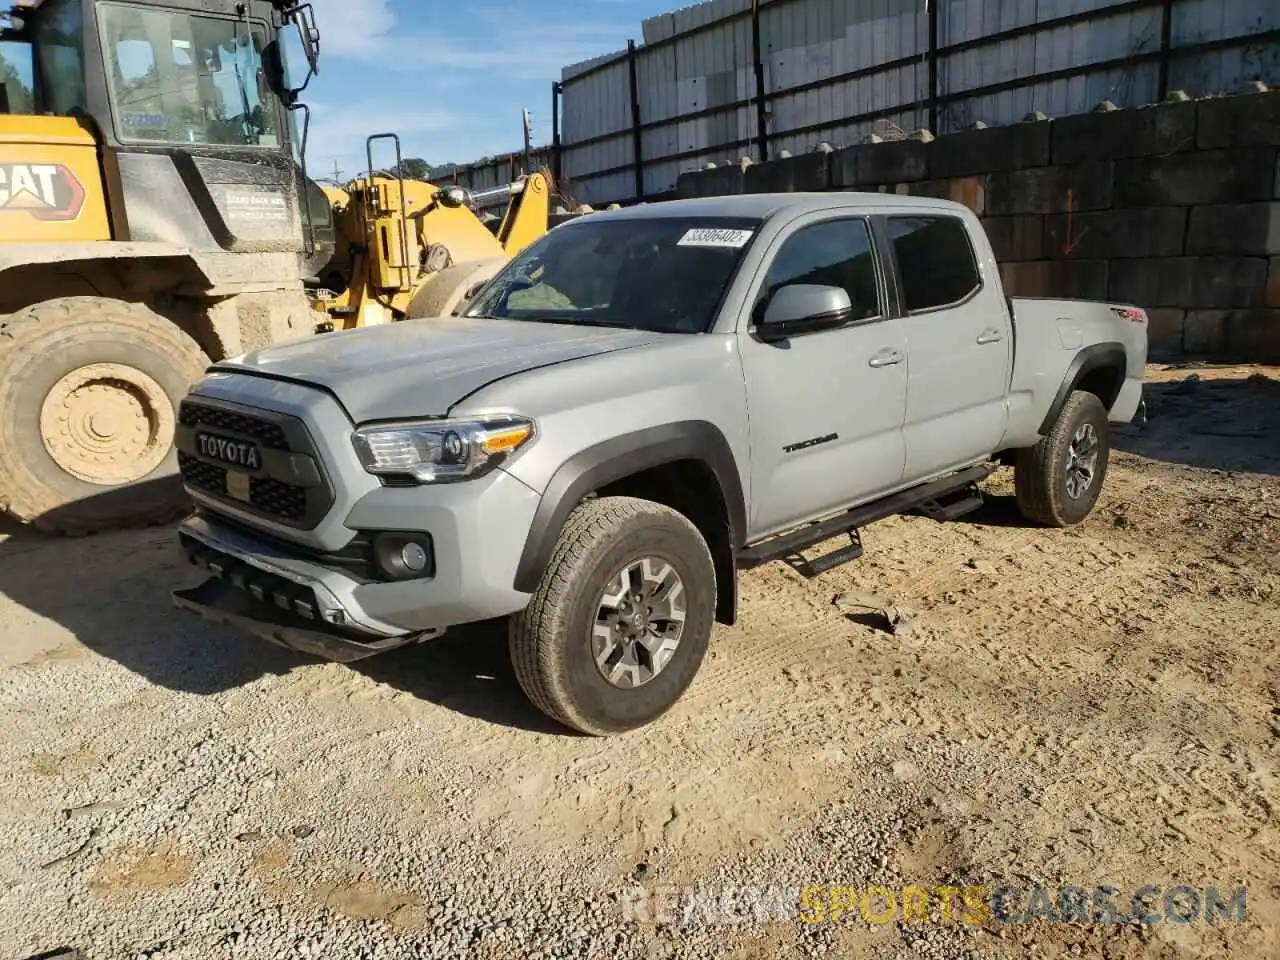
x=959 y=342
x=825 y=409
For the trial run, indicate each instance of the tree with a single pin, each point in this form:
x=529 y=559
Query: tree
x=415 y=168
x=21 y=99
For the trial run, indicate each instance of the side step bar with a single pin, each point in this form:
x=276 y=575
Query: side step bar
x=936 y=499
x=954 y=506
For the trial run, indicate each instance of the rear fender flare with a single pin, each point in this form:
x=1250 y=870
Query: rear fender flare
x=1093 y=357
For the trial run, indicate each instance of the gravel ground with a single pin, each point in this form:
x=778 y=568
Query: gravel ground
x=1085 y=706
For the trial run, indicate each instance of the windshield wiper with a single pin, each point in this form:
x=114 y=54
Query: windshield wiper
x=579 y=322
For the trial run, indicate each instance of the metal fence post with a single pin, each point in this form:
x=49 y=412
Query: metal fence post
x=762 y=134
x=637 y=148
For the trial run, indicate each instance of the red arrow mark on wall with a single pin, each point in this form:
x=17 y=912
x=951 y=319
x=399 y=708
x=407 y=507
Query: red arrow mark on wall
x=1072 y=243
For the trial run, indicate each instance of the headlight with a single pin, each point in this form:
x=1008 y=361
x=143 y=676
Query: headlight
x=441 y=451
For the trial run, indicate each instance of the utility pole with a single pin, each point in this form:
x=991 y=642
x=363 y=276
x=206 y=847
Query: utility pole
x=528 y=139
x=337 y=171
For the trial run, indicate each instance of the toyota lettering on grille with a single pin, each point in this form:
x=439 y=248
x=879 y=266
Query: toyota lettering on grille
x=235 y=453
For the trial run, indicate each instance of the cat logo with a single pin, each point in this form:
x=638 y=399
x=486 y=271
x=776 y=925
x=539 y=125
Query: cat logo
x=47 y=191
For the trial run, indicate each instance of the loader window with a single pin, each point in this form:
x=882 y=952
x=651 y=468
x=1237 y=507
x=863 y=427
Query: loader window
x=59 y=46
x=179 y=78
x=16 y=78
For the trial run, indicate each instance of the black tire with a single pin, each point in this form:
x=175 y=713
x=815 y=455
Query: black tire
x=44 y=343
x=1043 y=474
x=551 y=640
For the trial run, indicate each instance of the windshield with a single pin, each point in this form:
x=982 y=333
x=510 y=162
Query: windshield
x=665 y=274
x=179 y=78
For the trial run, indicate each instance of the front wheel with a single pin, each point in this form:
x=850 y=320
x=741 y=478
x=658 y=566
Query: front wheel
x=1058 y=481
x=621 y=619
x=89 y=388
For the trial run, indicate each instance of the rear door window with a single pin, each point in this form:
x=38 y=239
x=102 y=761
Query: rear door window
x=935 y=261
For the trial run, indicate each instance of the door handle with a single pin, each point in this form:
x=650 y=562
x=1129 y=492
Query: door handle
x=885 y=358
x=990 y=336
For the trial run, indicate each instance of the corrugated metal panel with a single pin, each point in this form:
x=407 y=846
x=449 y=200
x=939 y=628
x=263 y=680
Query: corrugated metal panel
x=601 y=190
x=577 y=69
x=1132 y=86
x=601 y=155
x=698 y=66
x=1198 y=20
x=1226 y=71
x=597 y=104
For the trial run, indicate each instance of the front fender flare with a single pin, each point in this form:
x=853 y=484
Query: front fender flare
x=620 y=457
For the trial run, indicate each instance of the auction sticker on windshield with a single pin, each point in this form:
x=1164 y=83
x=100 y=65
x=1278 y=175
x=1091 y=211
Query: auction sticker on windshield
x=714 y=237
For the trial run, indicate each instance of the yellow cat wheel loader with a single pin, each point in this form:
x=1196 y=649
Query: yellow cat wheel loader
x=408 y=249
x=155 y=215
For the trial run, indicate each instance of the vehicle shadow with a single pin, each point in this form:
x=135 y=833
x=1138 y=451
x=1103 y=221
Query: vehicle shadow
x=467 y=671
x=111 y=593
x=1212 y=418
x=997 y=510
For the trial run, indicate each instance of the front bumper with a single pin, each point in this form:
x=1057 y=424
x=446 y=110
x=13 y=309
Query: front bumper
x=221 y=602
x=281 y=598
x=309 y=601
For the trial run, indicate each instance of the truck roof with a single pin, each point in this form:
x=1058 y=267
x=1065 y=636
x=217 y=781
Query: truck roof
x=763 y=206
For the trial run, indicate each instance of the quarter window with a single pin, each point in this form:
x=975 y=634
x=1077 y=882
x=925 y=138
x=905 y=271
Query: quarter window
x=935 y=261
x=835 y=253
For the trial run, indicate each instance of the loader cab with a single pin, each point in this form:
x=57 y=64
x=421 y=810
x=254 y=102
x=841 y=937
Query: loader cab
x=192 y=107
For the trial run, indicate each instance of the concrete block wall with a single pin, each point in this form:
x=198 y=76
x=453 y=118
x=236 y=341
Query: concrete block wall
x=1173 y=207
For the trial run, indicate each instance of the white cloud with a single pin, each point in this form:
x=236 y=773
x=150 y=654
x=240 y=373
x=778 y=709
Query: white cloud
x=410 y=76
x=507 y=40
x=354 y=28
x=519 y=46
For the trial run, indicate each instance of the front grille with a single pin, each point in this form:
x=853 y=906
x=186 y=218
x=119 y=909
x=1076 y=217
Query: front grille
x=278 y=492
x=270 y=435
x=281 y=500
x=202 y=476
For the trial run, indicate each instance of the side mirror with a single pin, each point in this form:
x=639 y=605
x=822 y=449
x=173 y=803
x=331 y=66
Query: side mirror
x=303 y=17
x=804 y=308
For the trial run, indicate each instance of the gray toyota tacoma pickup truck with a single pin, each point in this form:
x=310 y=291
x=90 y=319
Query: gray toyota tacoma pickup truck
x=641 y=404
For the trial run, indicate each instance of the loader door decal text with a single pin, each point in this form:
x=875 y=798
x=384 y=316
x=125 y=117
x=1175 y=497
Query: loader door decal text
x=46 y=191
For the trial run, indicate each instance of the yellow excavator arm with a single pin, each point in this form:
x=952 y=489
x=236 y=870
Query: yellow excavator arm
x=408 y=249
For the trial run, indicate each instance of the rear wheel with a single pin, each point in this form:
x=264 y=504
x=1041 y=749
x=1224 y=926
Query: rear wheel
x=620 y=622
x=89 y=389
x=1059 y=480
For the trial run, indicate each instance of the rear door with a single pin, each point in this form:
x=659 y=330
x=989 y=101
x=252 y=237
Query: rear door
x=959 y=344
x=825 y=408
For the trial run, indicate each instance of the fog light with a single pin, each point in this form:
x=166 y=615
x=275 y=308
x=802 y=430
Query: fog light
x=404 y=556
x=414 y=558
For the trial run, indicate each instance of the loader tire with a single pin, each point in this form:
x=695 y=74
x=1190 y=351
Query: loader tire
x=602 y=658
x=89 y=389
x=1058 y=481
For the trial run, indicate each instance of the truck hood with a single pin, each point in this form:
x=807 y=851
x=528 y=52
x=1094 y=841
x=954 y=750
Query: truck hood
x=423 y=368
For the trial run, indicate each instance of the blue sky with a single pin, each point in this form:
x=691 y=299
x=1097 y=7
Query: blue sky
x=450 y=78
